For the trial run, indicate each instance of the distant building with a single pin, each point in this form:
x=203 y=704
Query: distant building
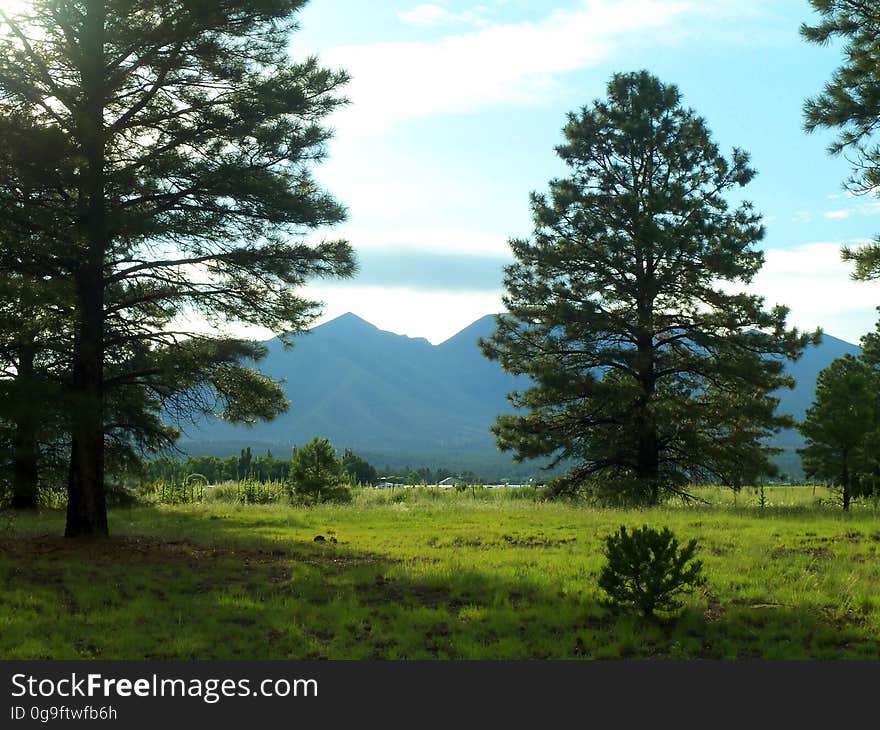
x=390 y=482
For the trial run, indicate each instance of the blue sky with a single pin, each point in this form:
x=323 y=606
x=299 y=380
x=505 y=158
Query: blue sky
x=456 y=107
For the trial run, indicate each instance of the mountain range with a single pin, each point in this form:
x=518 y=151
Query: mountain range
x=408 y=401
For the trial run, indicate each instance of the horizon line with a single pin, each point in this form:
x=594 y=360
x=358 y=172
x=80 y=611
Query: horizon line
x=350 y=314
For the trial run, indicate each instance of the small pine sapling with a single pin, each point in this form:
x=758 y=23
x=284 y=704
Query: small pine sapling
x=647 y=570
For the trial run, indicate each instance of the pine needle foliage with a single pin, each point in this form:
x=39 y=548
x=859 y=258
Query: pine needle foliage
x=646 y=569
x=187 y=132
x=849 y=103
x=650 y=367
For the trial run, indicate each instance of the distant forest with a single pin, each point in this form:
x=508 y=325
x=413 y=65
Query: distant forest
x=218 y=462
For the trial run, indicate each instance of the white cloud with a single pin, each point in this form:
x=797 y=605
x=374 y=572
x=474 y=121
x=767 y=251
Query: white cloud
x=435 y=315
x=428 y=14
x=872 y=208
x=519 y=63
x=448 y=240
x=811 y=280
x=817 y=286
x=425 y=15
x=399 y=197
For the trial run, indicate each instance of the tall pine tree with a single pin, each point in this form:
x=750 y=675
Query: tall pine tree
x=191 y=133
x=648 y=372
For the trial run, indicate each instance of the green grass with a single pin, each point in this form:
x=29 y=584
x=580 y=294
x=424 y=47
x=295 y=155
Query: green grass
x=419 y=574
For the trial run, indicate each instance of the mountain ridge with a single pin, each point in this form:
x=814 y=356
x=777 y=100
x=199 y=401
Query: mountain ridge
x=372 y=390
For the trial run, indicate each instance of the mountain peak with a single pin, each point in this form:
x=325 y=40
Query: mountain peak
x=366 y=388
x=351 y=317
x=347 y=322
x=468 y=337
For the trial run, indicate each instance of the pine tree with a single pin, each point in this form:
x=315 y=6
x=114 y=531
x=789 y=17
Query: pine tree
x=191 y=135
x=34 y=308
x=32 y=364
x=850 y=103
x=647 y=372
x=841 y=427
x=317 y=474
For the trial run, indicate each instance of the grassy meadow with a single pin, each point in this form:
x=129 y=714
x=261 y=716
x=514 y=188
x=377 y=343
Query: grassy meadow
x=424 y=574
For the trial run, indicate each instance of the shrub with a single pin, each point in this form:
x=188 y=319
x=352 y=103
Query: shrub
x=317 y=474
x=647 y=570
x=188 y=491
x=249 y=491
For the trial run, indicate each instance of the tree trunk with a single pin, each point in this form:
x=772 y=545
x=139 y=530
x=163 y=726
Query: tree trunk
x=86 y=503
x=648 y=465
x=648 y=450
x=25 y=469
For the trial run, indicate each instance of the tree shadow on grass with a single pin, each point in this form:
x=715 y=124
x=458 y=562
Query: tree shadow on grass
x=233 y=592
x=741 y=629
